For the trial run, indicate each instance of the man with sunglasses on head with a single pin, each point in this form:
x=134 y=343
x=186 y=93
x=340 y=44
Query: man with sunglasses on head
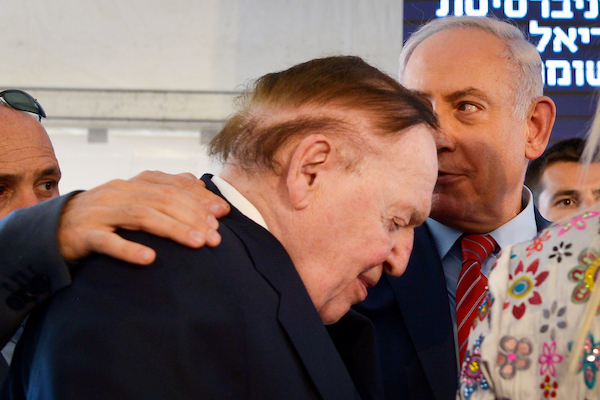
x=162 y=204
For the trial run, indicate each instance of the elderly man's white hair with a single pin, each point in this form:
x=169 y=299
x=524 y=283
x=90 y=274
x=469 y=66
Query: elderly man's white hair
x=522 y=54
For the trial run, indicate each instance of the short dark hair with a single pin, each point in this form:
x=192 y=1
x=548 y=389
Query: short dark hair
x=568 y=150
x=281 y=106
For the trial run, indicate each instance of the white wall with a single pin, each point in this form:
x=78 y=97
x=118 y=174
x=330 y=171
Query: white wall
x=125 y=154
x=185 y=44
x=142 y=54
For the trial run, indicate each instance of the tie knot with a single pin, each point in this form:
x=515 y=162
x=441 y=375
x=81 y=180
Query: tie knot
x=477 y=247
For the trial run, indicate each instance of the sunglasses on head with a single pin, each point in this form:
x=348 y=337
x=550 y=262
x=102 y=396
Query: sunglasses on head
x=22 y=101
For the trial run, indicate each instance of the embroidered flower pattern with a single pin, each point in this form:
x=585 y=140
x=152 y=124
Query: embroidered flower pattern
x=590 y=361
x=585 y=274
x=548 y=358
x=522 y=288
x=471 y=374
x=538 y=243
x=513 y=356
x=560 y=251
x=555 y=319
x=484 y=309
x=549 y=387
x=577 y=222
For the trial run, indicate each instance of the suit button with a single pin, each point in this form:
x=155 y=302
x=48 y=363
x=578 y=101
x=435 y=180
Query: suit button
x=37 y=286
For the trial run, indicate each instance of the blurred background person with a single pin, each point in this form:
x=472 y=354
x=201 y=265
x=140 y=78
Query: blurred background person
x=560 y=183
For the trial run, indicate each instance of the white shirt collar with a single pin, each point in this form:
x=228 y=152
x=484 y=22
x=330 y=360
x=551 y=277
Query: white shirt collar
x=239 y=201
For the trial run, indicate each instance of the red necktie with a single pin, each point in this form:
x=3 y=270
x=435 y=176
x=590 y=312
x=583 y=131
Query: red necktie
x=472 y=284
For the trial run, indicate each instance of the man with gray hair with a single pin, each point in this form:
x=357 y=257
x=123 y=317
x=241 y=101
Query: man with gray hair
x=484 y=81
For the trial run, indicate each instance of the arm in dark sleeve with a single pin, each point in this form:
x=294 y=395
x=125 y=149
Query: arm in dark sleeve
x=171 y=330
x=31 y=267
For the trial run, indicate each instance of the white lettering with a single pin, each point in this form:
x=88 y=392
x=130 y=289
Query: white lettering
x=565 y=13
x=592 y=13
x=560 y=38
x=545 y=31
x=545 y=8
x=584 y=33
x=479 y=12
x=444 y=9
x=592 y=73
x=520 y=12
x=582 y=71
x=552 y=66
x=458 y=8
x=578 y=66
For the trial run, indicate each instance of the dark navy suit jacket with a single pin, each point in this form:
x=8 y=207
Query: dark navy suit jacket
x=414 y=328
x=233 y=321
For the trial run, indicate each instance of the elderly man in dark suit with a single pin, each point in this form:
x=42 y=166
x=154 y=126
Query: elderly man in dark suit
x=329 y=166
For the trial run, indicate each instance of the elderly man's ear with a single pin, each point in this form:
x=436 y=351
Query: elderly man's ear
x=314 y=157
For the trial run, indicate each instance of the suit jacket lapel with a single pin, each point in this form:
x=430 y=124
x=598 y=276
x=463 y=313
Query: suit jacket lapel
x=423 y=299
x=297 y=315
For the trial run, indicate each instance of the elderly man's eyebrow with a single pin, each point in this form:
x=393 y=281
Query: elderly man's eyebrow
x=470 y=91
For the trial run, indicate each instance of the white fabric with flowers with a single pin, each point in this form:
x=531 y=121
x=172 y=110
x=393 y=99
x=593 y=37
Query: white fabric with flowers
x=520 y=346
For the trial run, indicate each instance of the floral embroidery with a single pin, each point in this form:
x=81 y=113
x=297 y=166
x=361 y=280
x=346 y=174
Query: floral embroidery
x=561 y=250
x=538 y=243
x=548 y=358
x=513 y=356
x=590 y=361
x=484 y=309
x=549 y=387
x=471 y=374
x=577 y=222
x=585 y=274
x=522 y=288
x=553 y=314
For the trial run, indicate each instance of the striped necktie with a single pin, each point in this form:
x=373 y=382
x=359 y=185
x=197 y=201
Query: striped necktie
x=472 y=284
